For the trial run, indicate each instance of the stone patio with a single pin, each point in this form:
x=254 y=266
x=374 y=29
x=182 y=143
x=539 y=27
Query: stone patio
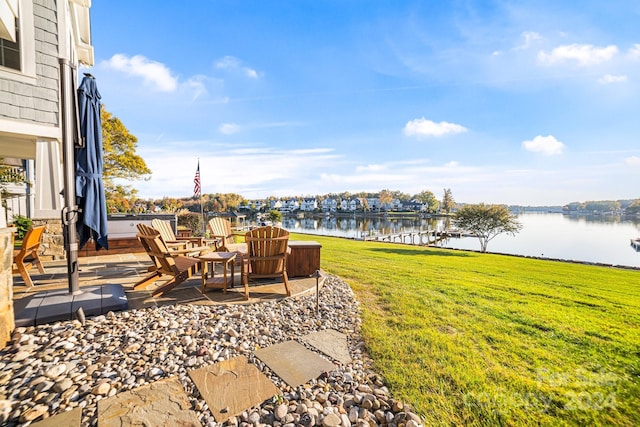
x=127 y=269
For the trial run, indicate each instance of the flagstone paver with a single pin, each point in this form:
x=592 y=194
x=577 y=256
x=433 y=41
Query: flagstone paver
x=231 y=386
x=70 y=418
x=294 y=363
x=161 y=403
x=330 y=342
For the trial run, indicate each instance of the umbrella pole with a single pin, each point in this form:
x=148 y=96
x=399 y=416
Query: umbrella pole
x=70 y=210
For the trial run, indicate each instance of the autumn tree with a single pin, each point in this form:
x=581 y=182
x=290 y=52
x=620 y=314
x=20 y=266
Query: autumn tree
x=601 y=206
x=633 y=208
x=274 y=216
x=486 y=222
x=385 y=197
x=170 y=204
x=428 y=199
x=447 y=201
x=365 y=204
x=120 y=162
x=9 y=175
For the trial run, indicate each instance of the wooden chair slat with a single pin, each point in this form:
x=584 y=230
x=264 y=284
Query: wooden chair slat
x=266 y=255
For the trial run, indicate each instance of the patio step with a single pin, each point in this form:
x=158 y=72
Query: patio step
x=59 y=305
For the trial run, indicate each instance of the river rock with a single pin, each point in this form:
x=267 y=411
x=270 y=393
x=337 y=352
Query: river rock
x=331 y=420
x=66 y=366
x=34 y=413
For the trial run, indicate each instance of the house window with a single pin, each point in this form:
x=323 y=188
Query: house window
x=10 y=51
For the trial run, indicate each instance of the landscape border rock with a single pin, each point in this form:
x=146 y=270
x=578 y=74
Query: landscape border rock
x=54 y=368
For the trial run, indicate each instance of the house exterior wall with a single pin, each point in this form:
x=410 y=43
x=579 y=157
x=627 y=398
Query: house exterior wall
x=36 y=101
x=30 y=108
x=309 y=205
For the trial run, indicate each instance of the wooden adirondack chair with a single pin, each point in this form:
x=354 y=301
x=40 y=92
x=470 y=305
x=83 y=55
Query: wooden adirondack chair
x=27 y=256
x=176 y=268
x=220 y=229
x=172 y=241
x=189 y=252
x=266 y=256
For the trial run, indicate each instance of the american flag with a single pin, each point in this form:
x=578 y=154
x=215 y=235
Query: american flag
x=196 y=182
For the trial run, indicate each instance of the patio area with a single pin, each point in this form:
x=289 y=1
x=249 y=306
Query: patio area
x=197 y=360
x=127 y=269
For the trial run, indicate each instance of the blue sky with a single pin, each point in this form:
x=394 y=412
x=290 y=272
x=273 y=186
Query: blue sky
x=528 y=102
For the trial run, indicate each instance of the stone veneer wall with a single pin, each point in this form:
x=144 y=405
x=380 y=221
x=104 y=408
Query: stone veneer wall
x=52 y=247
x=7 y=319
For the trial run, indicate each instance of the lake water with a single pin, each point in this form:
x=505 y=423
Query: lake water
x=603 y=239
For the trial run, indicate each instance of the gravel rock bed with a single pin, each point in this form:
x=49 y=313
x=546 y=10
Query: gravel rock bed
x=52 y=368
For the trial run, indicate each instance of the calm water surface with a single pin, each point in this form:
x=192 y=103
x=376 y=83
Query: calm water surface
x=604 y=239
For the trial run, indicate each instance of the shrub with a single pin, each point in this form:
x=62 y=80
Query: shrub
x=23 y=224
x=192 y=221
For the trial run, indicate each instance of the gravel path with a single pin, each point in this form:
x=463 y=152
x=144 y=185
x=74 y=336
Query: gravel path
x=52 y=368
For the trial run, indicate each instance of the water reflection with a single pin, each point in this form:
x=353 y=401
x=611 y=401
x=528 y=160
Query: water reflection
x=605 y=219
x=358 y=227
x=600 y=238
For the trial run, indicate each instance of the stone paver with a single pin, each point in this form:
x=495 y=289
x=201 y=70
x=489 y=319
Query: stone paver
x=161 y=403
x=231 y=386
x=330 y=342
x=70 y=418
x=294 y=363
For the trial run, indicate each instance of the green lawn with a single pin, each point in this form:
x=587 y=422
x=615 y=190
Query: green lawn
x=481 y=339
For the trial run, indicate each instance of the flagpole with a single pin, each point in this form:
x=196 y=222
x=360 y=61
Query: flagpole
x=204 y=224
x=198 y=191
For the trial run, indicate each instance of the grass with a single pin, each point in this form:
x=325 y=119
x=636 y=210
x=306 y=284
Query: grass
x=480 y=339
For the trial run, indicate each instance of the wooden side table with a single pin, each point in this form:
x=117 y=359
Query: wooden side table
x=218 y=282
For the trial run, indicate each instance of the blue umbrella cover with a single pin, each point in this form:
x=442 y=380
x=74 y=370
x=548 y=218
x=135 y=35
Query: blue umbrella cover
x=92 y=219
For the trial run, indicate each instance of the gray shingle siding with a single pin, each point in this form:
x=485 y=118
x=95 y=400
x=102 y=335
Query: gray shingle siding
x=38 y=102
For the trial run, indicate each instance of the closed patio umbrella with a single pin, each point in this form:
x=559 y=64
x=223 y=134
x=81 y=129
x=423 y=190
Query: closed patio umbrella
x=92 y=220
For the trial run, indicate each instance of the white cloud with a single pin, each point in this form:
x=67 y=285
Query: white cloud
x=305 y=151
x=234 y=64
x=632 y=161
x=583 y=54
x=228 y=62
x=452 y=164
x=547 y=145
x=197 y=85
x=371 y=168
x=634 y=51
x=229 y=128
x=529 y=38
x=250 y=72
x=153 y=73
x=424 y=127
x=610 y=78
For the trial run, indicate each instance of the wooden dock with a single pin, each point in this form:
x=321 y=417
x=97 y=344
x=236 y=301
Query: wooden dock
x=420 y=238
